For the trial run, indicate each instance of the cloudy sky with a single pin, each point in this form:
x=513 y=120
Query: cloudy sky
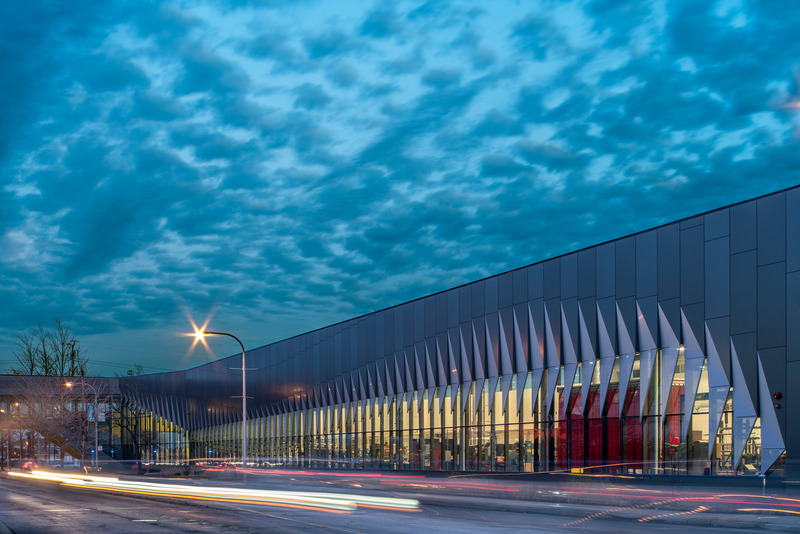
x=284 y=165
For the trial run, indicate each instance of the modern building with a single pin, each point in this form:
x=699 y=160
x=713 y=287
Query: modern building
x=670 y=351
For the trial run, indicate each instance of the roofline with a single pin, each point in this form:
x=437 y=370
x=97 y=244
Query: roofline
x=728 y=206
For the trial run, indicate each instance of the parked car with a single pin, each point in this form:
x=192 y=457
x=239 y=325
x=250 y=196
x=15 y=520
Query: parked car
x=67 y=465
x=29 y=465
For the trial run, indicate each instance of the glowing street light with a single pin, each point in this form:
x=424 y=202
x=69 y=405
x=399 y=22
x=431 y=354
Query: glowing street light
x=199 y=336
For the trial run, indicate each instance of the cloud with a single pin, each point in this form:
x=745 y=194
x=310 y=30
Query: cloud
x=343 y=74
x=498 y=124
x=204 y=71
x=275 y=46
x=311 y=96
x=381 y=23
x=536 y=36
x=329 y=43
x=499 y=165
x=441 y=77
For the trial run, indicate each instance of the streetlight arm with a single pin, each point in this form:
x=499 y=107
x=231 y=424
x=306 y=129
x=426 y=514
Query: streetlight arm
x=226 y=334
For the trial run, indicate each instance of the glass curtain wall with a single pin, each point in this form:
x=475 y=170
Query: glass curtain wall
x=470 y=427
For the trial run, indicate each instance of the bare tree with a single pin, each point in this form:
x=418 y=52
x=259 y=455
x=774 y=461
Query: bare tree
x=68 y=357
x=46 y=407
x=27 y=355
x=53 y=352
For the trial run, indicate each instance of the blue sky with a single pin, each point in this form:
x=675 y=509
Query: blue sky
x=285 y=165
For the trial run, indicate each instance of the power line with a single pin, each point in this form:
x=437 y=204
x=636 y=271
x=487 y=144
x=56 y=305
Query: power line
x=103 y=363
x=126 y=366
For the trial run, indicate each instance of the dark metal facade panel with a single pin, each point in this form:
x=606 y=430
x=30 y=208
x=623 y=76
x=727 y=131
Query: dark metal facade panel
x=536 y=310
x=627 y=310
x=587 y=273
x=606 y=280
x=338 y=357
x=442 y=309
x=388 y=331
x=553 y=313
x=570 y=311
x=743 y=227
x=535 y=281
x=747 y=350
x=695 y=317
x=328 y=349
x=793 y=316
x=691 y=222
x=716 y=224
x=625 y=268
x=464 y=304
x=588 y=308
x=478 y=335
x=649 y=314
x=793 y=230
x=492 y=344
x=418 y=320
x=478 y=299
x=397 y=313
x=692 y=260
x=669 y=267
x=375 y=336
x=362 y=340
x=717 y=277
x=772 y=306
x=490 y=296
x=771 y=228
x=520 y=283
x=465 y=336
x=672 y=312
x=521 y=313
x=647 y=264
x=569 y=276
x=453 y=312
x=608 y=311
x=505 y=290
x=774 y=363
x=430 y=316
x=552 y=278
x=408 y=324
x=743 y=292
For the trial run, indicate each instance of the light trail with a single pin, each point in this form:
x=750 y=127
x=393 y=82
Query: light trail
x=768 y=510
x=446 y=484
x=324 y=502
x=292 y=472
x=697 y=510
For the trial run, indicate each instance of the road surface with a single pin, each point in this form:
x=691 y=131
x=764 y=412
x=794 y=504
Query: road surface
x=447 y=505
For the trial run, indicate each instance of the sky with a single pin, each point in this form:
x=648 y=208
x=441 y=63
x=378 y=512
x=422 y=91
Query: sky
x=279 y=166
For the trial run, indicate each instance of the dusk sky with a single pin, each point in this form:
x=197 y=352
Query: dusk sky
x=286 y=165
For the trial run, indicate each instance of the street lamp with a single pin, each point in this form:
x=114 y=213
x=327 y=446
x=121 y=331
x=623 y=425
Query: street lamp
x=200 y=334
x=94 y=452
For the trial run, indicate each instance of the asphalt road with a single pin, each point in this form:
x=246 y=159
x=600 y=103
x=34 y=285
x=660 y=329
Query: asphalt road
x=447 y=505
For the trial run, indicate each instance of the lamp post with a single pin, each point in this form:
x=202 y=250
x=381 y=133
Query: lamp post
x=199 y=334
x=94 y=452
